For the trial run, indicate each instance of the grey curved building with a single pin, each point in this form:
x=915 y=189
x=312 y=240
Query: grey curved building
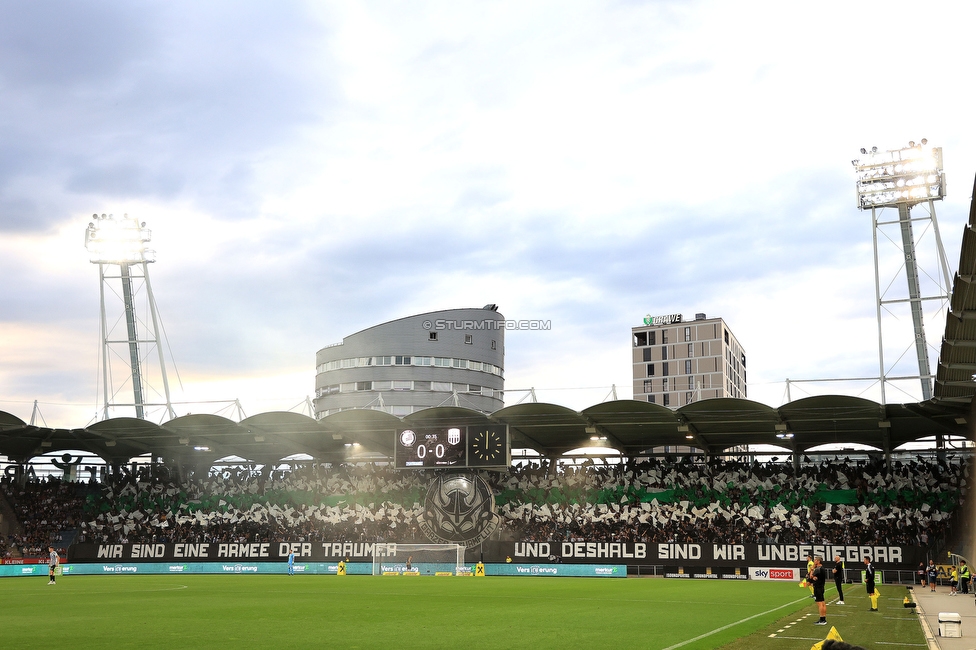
x=441 y=358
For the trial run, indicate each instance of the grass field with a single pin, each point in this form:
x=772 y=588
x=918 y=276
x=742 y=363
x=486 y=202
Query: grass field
x=404 y=612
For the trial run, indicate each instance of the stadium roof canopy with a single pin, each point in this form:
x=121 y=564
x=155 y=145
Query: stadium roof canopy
x=628 y=426
x=957 y=360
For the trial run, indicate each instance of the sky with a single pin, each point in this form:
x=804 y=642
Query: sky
x=311 y=169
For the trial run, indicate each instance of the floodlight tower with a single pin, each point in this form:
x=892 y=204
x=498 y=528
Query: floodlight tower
x=904 y=179
x=122 y=243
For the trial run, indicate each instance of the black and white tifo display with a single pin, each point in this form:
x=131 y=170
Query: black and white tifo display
x=459 y=507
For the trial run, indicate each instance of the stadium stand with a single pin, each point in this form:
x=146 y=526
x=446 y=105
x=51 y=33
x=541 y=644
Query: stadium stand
x=49 y=513
x=653 y=500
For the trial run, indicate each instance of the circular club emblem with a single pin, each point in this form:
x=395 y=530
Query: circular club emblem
x=407 y=438
x=459 y=509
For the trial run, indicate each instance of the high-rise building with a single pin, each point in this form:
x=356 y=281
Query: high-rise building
x=677 y=362
x=443 y=358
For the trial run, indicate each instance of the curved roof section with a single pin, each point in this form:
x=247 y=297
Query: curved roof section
x=630 y=426
x=957 y=359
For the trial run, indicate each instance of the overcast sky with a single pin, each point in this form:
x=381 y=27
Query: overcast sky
x=309 y=170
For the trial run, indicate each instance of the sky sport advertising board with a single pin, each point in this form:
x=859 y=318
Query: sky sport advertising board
x=774 y=573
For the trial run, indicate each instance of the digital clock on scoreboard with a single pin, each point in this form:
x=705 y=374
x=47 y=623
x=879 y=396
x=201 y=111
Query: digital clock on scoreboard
x=452 y=447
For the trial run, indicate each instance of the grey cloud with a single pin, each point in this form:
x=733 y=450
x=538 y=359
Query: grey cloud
x=168 y=101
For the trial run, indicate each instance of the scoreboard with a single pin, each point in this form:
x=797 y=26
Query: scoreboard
x=485 y=446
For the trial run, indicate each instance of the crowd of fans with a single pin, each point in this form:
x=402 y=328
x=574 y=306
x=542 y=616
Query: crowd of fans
x=47 y=511
x=656 y=500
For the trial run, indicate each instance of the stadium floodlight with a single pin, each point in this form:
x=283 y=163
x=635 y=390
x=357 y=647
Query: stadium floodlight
x=902 y=179
x=117 y=241
x=900 y=176
x=112 y=242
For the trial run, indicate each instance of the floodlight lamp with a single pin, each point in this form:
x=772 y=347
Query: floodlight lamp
x=201 y=448
x=900 y=176
x=118 y=241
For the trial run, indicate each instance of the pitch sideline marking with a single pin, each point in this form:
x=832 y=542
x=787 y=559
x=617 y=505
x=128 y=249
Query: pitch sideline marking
x=725 y=627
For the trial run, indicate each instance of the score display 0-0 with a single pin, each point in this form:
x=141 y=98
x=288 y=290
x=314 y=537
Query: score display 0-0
x=452 y=447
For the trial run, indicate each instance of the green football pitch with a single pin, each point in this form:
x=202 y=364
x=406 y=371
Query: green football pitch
x=425 y=612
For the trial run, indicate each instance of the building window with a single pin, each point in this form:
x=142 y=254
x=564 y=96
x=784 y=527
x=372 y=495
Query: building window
x=382 y=385
x=687 y=333
x=640 y=339
x=401 y=361
x=691 y=382
x=743 y=361
x=687 y=366
x=689 y=398
x=691 y=349
x=665 y=387
x=443 y=362
x=664 y=352
x=474 y=389
x=423 y=361
x=664 y=336
x=647 y=354
x=402 y=385
x=664 y=368
x=650 y=370
x=651 y=338
x=667 y=400
x=726 y=337
x=650 y=398
x=364 y=385
x=432 y=336
x=493 y=344
x=384 y=361
x=421 y=385
x=648 y=386
x=468 y=339
x=328 y=390
x=441 y=386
